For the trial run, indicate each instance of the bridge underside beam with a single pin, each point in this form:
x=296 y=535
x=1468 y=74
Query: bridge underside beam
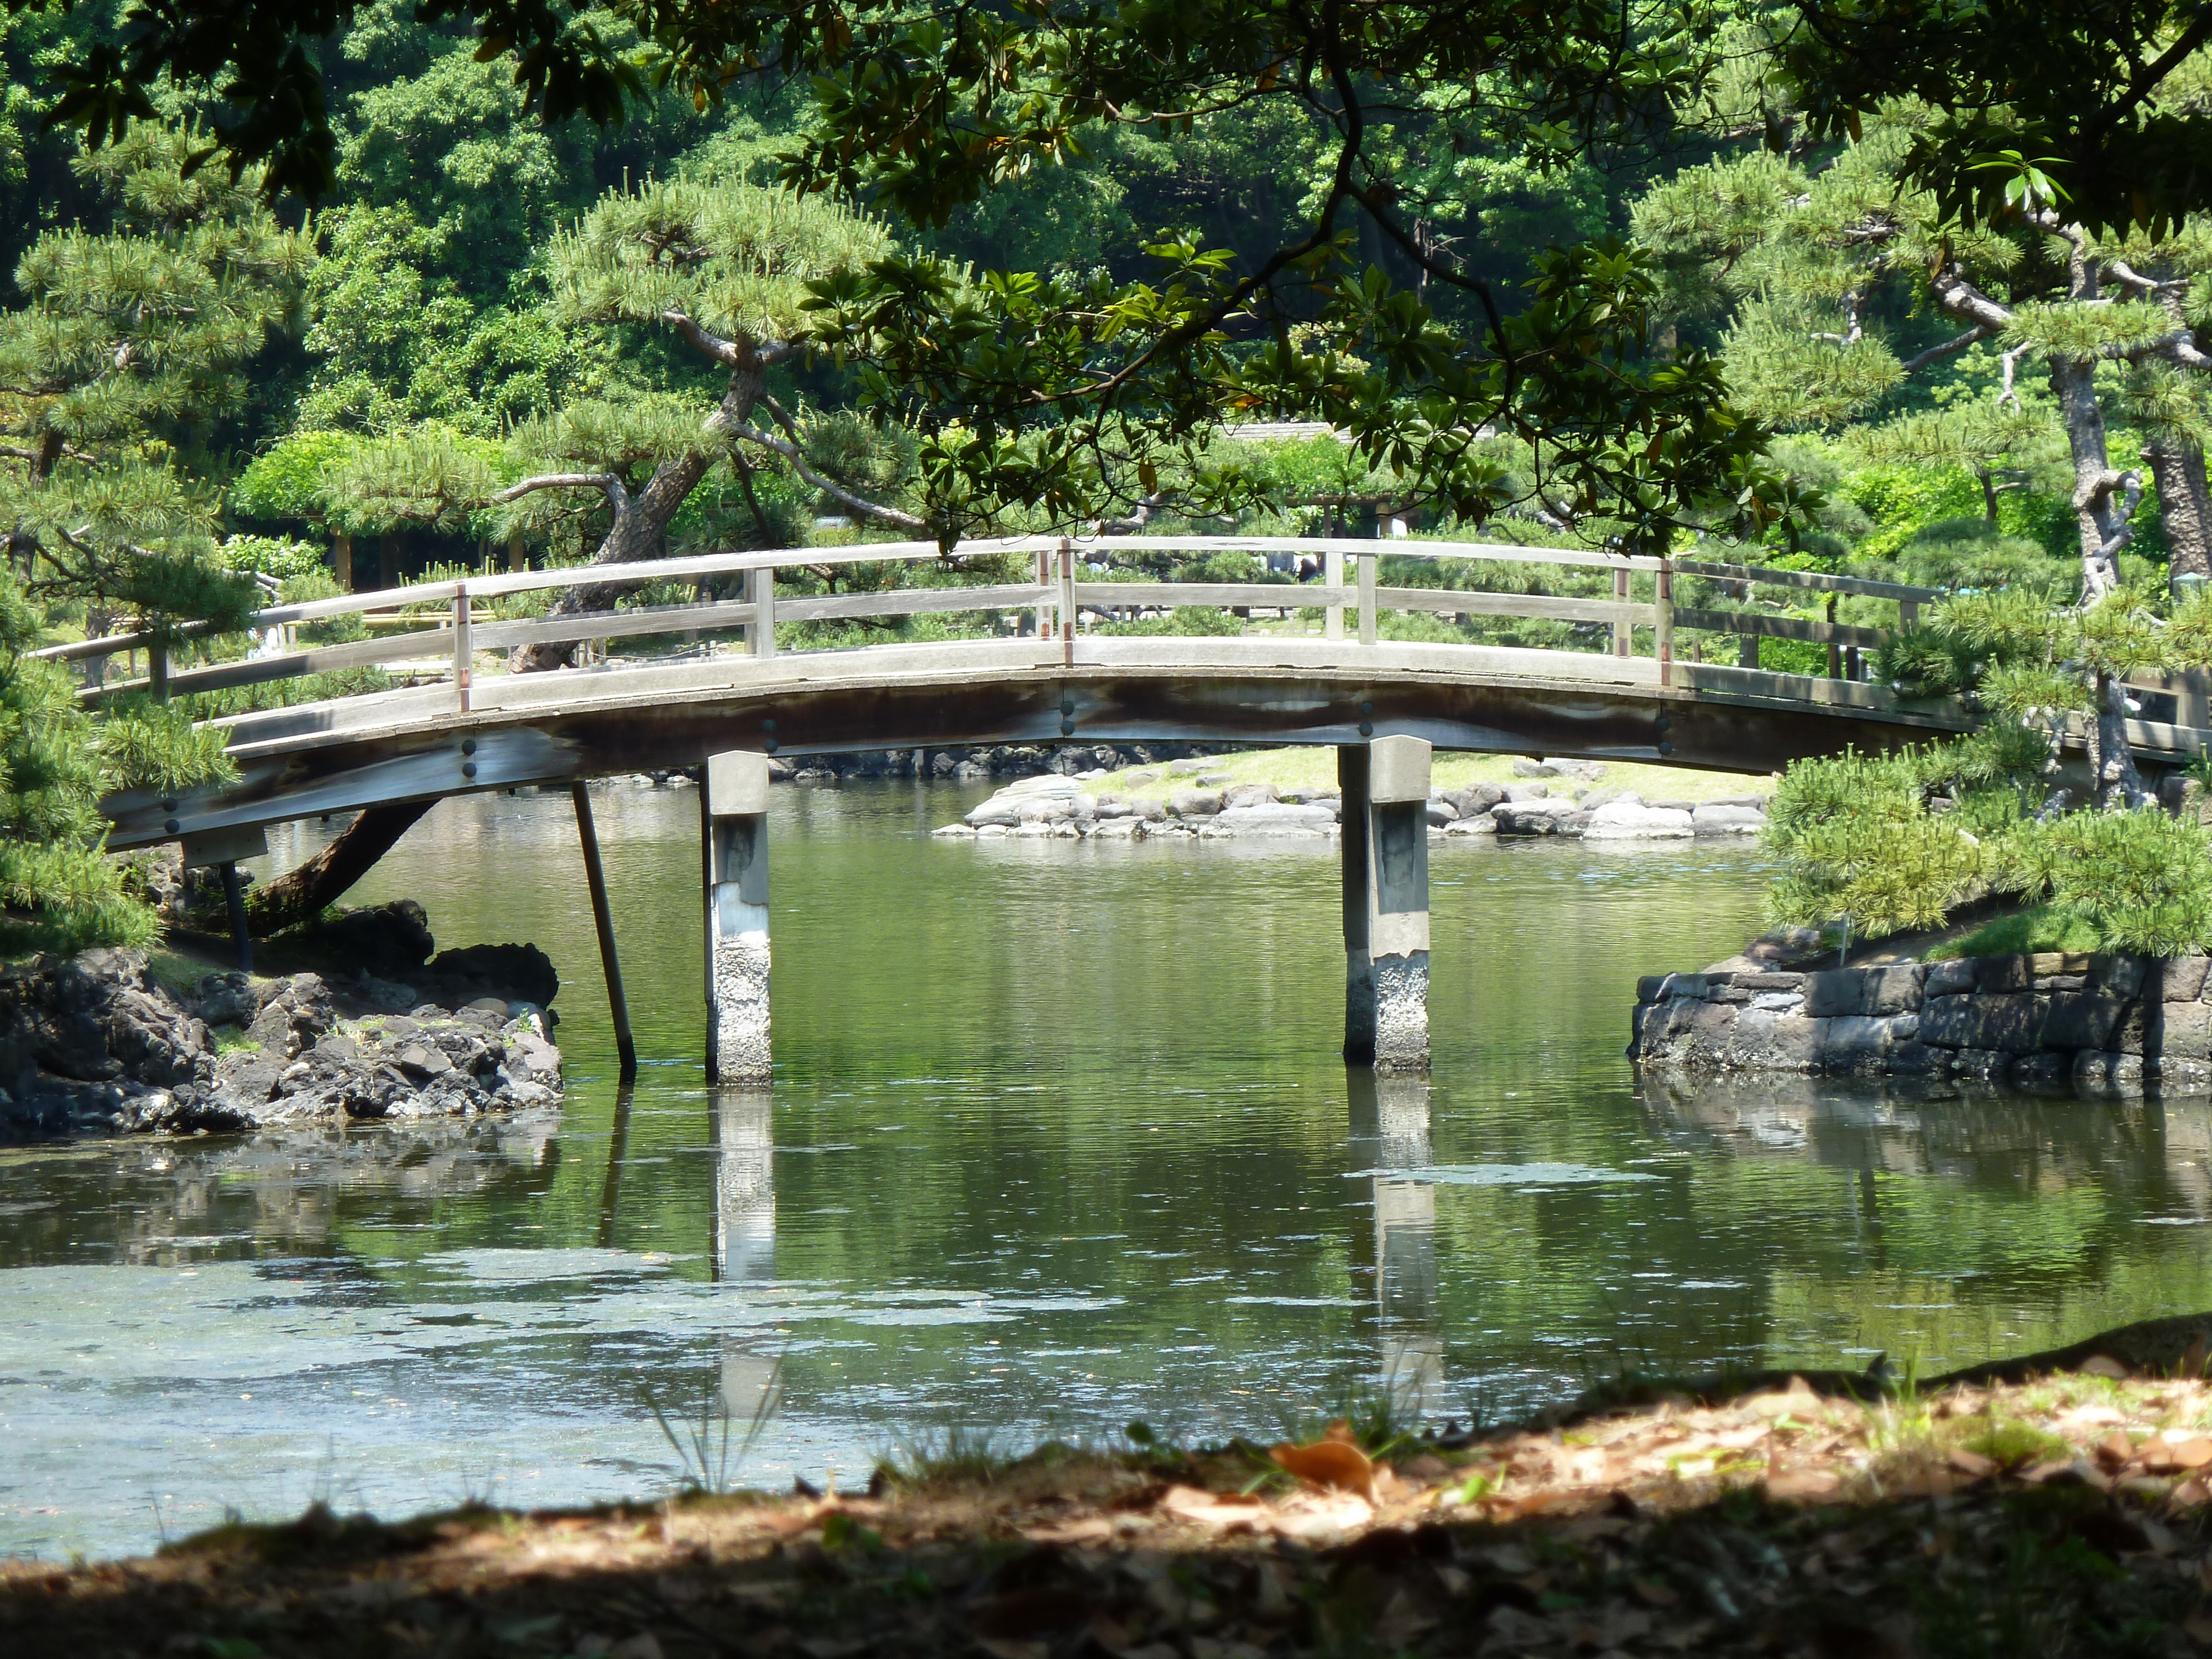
x=299 y=762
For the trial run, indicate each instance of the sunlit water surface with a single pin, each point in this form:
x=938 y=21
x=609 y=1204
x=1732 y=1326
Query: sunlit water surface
x=1058 y=1141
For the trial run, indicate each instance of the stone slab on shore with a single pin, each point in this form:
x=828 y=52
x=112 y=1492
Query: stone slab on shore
x=2102 y=1021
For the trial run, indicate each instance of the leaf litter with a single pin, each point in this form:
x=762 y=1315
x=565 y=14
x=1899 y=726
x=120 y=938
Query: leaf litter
x=2049 y=1513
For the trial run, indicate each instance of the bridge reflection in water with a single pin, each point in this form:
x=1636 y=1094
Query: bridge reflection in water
x=1388 y=1145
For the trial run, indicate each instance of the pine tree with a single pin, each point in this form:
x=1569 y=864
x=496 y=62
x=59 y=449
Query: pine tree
x=131 y=348
x=721 y=271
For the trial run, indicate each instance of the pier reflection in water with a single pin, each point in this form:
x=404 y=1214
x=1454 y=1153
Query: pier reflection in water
x=1390 y=1138
x=1056 y=1140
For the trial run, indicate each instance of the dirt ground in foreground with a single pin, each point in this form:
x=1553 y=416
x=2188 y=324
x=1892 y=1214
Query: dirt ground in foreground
x=2055 y=1514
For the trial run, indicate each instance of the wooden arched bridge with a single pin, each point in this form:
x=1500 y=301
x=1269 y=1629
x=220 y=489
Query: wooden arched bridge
x=1302 y=662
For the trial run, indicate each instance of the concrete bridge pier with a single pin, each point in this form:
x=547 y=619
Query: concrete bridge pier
x=1385 y=848
x=734 y=804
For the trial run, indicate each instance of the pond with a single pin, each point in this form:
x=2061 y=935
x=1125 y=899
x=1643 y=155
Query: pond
x=1058 y=1142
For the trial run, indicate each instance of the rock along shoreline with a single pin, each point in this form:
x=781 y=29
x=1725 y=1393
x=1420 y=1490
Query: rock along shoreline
x=1191 y=799
x=2103 y=1022
x=95 y=1044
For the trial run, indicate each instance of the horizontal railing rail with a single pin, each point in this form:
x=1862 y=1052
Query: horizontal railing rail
x=1343 y=584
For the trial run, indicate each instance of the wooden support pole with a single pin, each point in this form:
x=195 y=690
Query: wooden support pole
x=157 y=672
x=735 y=806
x=1663 y=625
x=1624 y=634
x=1332 y=616
x=341 y=560
x=1385 y=850
x=1368 y=564
x=603 y=919
x=1835 y=650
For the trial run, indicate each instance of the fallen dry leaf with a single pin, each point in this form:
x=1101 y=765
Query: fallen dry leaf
x=1973 y=1464
x=1329 y=1464
x=2105 y=1366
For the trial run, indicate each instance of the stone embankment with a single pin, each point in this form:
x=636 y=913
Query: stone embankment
x=2099 y=1022
x=1557 y=798
x=95 y=1044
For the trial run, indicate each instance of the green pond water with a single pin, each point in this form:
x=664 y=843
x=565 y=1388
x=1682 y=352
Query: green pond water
x=1058 y=1141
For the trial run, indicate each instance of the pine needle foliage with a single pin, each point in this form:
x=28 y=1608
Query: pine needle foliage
x=132 y=347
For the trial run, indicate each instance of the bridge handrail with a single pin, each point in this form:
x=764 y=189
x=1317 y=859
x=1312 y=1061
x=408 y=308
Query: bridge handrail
x=693 y=567
x=1057 y=597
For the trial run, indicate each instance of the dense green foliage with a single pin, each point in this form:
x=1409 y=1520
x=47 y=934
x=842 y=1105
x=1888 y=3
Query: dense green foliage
x=956 y=272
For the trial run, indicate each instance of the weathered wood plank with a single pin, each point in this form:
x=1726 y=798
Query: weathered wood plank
x=1779 y=628
x=1542 y=606
x=1818 y=581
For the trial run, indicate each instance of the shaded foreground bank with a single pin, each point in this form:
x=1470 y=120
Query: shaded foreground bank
x=2065 y=1513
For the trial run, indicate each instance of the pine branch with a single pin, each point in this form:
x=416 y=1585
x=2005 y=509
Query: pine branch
x=618 y=496
x=790 y=451
x=1935 y=354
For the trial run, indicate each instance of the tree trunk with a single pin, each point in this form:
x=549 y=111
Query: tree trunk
x=2185 y=504
x=300 y=895
x=2114 y=780
x=1989 y=494
x=2100 y=519
x=642 y=522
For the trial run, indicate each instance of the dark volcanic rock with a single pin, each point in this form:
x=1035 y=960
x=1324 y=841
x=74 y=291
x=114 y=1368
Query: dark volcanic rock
x=522 y=972
x=94 y=1044
x=389 y=940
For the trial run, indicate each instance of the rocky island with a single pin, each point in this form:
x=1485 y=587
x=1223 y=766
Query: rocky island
x=1292 y=792
x=106 y=1042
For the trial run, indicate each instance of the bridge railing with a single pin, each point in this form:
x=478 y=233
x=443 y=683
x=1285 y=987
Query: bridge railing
x=1343 y=584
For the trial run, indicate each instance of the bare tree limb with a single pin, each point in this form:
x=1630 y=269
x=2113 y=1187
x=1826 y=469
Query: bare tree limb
x=617 y=496
x=1935 y=354
x=860 y=504
x=1962 y=299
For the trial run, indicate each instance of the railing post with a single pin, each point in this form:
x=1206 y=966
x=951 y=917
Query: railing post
x=1066 y=602
x=1908 y=613
x=1624 y=633
x=341 y=560
x=1044 y=579
x=1663 y=622
x=464 y=650
x=157 y=670
x=1332 y=616
x=1835 y=651
x=1368 y=566
x=762 y=639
